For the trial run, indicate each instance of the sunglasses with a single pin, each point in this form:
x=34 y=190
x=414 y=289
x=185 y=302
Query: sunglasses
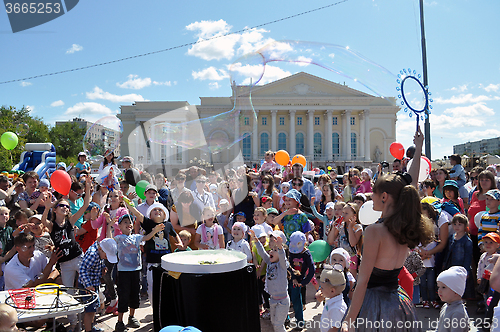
x=297 y=184
x=473 y=178
x=265 y=181
x=63 y=205
x=77 y=195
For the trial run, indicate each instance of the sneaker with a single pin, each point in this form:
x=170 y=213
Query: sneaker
x=133 y=322
x=426 y=305
x=120 y=327
x=436 y=305
x=112 y=308
x=96 y=329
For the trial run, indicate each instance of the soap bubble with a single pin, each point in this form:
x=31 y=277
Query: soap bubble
x=22 y=129
x=103 y=137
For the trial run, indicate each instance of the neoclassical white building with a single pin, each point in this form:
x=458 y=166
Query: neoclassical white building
x=327 y=122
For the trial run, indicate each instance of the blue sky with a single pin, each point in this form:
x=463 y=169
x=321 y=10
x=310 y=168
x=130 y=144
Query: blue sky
x=462 y=51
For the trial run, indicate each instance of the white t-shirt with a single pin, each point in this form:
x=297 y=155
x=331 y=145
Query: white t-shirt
x=209 y=238
x=243 y=246
x=333 y=312
x=17 y=275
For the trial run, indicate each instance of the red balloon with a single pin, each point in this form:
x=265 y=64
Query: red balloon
x=428 y=161
x=397 y=150
x=61 y=182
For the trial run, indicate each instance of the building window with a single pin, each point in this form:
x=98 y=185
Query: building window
x=179 y=154
x=299 y=143
x=317 y=145
x=334 y=121
x=281 y=141
x=299 y=121
x=353 y=121
x=316 y=120
x=264 y=121
x=335 y=144
x=264 y=143
x=354 y=150
x=247 y=146
x=246 y=121
x=282 y=121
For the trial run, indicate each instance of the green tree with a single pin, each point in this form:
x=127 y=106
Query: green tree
x=67 y=138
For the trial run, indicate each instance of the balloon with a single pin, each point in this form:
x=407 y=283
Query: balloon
x=425 y=169
x=320 y=250
x=477 y=218
x=367 y=215
x=282 y=157
x=61 y=182
x=132 y=176
x=298 y=158
x=397 y=150
x=428 y=161
x=410 y=152
x=9 y=140
x=177 y=328
x=140 y=187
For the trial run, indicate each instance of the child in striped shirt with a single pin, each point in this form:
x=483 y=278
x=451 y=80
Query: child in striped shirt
x=490 y=220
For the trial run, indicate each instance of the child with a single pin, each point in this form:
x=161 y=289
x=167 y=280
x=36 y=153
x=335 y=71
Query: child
x=159 y=244
x=293 y=218
x=301 y=263
x=359 y=199
x=238 y=242
x=6 y=238
x=91 y=270
x=490 y=220
x=129 y=270
x=260 y=266
x=21 y=218
x=82 y=165
x=270 y=165
x=228 y=224
x=428 y=187
x=415 y=266
x=209 y=235
x=340 y=256
x=271 y=214
x=276 y=284
x=266 y=202
x=366 y=185
x=87 y=234
x=332 y=282
x=43 y=241
x=451 y=287
x=185 y=239
x=223 y=217
x=350 y=235
x=260 y=216
x=457 y=171
x=450 y=189
x=8 y=318
x=285 y=187
x=327 y=218
x=459 y=251
x=491 y=243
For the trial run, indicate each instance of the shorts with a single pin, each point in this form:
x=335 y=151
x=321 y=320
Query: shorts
x=94 y=305
x=354 y=263
x=129 y=289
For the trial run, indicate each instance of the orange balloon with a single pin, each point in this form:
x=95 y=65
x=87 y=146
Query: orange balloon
x=282 y=157
x=298 y=158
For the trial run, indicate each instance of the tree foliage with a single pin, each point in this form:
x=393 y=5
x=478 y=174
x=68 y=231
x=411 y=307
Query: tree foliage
x=67 y=138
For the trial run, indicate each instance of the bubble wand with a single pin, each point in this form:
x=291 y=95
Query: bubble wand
x=426 y=110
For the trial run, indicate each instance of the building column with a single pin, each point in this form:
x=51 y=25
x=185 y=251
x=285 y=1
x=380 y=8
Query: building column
x=328 y=152
x=292 y=132
x=185 y=155
x=237 y=148
x=343 y=142
x=255 y=138
x=310 y=134
x=274 y=138
x=367 y=136
x=348 y=134
x=361 y=154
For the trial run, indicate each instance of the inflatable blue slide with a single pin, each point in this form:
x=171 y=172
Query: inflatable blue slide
x=38 y=157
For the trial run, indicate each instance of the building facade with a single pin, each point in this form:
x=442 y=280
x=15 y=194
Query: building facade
x=477 y=148
x=328 y=123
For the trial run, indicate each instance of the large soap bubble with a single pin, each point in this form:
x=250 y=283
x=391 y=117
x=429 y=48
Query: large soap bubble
x=22 y=129
x=103 y=137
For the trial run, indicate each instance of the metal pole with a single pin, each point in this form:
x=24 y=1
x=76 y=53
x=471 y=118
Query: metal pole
x=427 y=125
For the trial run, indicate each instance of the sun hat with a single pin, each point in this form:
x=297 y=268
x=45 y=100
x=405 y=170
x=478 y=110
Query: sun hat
x=342 y=252
x=367 y=171
x=108 y=245
x=82 y=154
x=61 y=164
x=241 y=225
x=44 y=183
x=333 y=275
x=297 y=242
x=294 y=194
x=276 y=234
x=156 y=206
x=272 y=210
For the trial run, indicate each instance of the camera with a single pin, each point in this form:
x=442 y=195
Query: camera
x=384 y=164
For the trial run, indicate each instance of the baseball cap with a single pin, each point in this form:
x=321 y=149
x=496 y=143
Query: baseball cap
x=35 y=216
x=272 y=210
x=495 y=193
x=109 y=247
x=297 y=242
x=493 y=237
x=241 y=213
x=151 y=187
x=277 y=234
x=129 y=216
x=82 y=154
x=329 y=205
x=127 y=158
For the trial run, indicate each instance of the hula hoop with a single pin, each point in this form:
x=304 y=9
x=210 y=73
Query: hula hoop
x=49 y=286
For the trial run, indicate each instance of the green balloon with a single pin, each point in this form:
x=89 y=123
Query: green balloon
x=9 y=140
x=320 y=250
x=140 y=187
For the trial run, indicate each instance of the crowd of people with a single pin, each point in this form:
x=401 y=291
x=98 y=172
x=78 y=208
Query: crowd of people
x=433 y=245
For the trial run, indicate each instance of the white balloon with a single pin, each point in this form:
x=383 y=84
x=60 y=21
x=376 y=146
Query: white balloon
x=477 y=218
x=425 y=170
x=367 y=215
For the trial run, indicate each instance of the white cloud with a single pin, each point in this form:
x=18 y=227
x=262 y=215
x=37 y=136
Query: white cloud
x=479 y=109
x=216 y=49
x=98 y=93
x=303 y=61
x=214 y=86
x=463 y=99
x=74 y=48
x=210 y=73
x=57 y=103
x=255 y=72
x=492 y=87
x=167 y=83
x=135 y=82
x=87 y=109
x=24 y=84
x=479 y=134
x=460 y=88
x=31 y=108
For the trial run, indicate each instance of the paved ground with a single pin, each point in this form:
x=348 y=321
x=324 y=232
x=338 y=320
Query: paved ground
x=313 y=311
